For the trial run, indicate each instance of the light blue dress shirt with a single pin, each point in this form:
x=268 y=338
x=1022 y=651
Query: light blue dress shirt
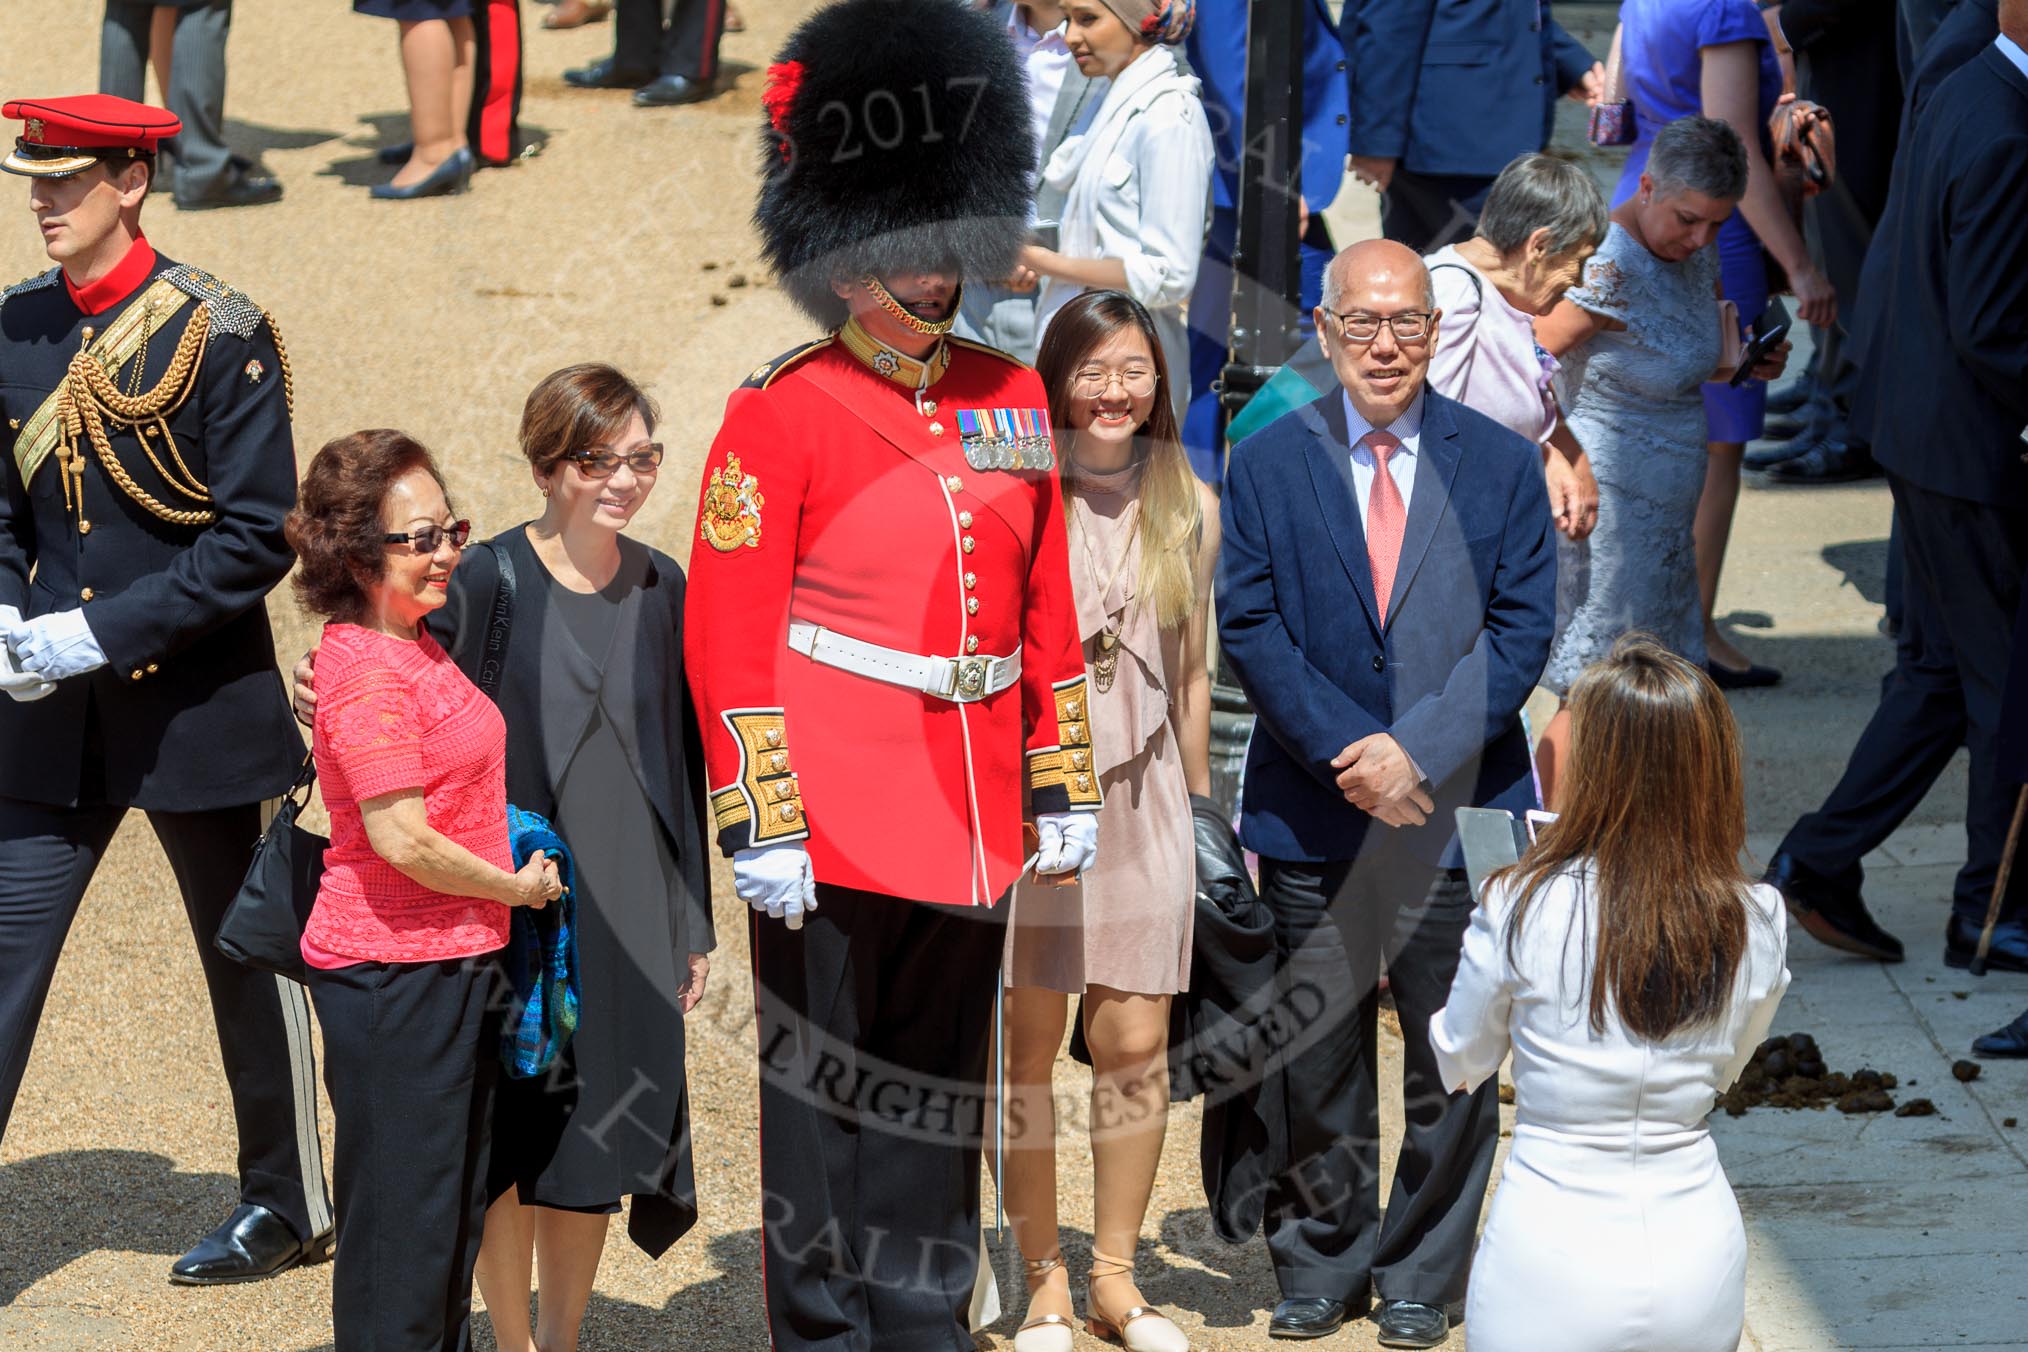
x=2013 y=52
x=1400 y=462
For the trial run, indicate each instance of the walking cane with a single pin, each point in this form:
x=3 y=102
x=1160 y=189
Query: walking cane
x=2000 y=883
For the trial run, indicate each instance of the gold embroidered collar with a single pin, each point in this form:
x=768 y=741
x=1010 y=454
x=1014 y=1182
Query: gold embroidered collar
x=903 y=370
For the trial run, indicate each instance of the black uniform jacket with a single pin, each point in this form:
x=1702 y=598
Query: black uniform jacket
x=190 y=712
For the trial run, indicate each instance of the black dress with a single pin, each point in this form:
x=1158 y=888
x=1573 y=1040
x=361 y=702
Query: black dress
x=611 y=1117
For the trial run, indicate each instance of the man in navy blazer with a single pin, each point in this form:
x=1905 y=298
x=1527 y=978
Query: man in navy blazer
x=1381 y=710
x=1445 y=93
x=1945 y=352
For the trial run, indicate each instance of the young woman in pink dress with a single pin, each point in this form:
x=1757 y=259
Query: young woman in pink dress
x=1143 y=532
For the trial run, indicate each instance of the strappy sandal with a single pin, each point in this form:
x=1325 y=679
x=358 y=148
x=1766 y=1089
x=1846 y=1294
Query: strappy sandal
x=1141 y=1329
x=1045 y=1332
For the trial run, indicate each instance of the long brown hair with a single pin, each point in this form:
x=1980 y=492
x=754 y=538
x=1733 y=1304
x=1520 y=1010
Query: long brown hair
x=1172 y=514
x=1653 y=800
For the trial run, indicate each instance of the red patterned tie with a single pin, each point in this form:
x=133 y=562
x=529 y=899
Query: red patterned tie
x=1385 y=517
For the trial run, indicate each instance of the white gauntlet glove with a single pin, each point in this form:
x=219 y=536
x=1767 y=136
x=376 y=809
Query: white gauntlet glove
x=56 y=646
x=1067 y=842
x=22 y=685
x=776 y=879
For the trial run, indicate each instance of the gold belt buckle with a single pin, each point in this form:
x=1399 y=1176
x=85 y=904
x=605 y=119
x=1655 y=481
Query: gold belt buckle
x=972 y=673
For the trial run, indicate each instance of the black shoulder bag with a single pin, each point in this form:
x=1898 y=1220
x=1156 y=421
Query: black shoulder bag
x=263 y=927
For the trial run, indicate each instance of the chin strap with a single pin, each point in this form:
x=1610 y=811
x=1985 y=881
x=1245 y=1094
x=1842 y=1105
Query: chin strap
x=903 y=316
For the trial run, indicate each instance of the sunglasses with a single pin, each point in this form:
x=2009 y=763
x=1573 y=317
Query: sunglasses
x=425 y=539
x=596 y=466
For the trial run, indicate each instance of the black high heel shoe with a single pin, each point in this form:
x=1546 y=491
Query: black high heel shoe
x=453 y=176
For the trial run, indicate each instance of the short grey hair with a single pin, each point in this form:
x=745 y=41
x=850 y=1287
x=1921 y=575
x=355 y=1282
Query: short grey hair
x=1539 y=192
x=1700 y=154
x=1333 y=295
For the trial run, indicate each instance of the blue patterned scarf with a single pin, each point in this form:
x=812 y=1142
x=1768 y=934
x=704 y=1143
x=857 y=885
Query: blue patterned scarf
x=541 y=957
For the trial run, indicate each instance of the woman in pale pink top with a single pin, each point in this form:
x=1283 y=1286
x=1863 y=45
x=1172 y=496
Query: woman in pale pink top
x=414 y=897
x=1543 y=218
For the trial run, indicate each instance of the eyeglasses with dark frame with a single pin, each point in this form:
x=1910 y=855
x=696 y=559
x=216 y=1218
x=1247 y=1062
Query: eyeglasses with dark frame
x=425 y=539
x=1356 y=326
x=595 y=466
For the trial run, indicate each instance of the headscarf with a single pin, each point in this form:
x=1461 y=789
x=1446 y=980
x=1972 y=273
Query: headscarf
x=1164 y=21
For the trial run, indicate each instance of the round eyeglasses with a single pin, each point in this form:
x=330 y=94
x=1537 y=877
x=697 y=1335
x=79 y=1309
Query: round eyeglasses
x=1093 y=381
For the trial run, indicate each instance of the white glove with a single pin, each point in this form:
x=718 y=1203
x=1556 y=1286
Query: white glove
x=55 y=646
x=1067 y=842
x=22 y=685
x=776 y=879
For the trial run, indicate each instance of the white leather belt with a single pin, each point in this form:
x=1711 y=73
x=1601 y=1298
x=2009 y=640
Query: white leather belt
x=962 y=680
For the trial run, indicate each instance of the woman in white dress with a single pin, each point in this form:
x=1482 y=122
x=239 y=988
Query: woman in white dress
x=1631 y=966
x=1132 y=193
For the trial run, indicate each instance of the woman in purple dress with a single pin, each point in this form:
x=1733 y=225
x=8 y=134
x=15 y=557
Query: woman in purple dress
x=1716 y=58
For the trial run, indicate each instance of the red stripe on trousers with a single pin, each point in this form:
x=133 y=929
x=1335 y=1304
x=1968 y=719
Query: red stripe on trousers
x=496 y=113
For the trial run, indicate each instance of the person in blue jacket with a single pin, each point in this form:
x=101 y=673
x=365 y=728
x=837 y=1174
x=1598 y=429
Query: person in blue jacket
x=1444 y=94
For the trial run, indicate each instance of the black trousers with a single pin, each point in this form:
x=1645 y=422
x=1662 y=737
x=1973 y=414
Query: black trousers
x=47 y=858
x=1336 y=924
x=411 y=1057
x=1964 y=564
x=875 y=1021
x=686 y=45
x=1916 y=729
x=1428 y=211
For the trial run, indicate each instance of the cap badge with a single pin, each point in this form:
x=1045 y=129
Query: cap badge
x=731 y=511
x=34 y=129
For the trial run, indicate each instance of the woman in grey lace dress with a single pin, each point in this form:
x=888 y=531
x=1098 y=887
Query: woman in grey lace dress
x=1637 y=339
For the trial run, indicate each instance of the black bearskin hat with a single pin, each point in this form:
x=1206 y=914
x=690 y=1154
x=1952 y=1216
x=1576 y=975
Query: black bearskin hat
x=898 y=138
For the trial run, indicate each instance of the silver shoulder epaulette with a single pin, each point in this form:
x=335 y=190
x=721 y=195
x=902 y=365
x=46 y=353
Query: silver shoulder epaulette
x=35 y=283
x=231 y=309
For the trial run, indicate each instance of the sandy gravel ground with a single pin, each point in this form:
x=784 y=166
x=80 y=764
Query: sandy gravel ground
x=625 y=240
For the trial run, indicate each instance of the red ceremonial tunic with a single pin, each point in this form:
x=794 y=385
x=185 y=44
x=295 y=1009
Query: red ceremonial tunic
x=841 y=498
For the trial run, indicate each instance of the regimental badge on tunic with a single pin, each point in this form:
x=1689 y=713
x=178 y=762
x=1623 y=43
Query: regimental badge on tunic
x=1006 y=438
x=731 y=515
x=254 y=370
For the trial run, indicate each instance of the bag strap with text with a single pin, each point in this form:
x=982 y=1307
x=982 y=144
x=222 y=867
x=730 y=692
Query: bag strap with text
x=494 y=658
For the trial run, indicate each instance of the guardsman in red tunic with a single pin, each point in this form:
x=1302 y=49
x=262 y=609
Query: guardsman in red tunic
x=883 y=647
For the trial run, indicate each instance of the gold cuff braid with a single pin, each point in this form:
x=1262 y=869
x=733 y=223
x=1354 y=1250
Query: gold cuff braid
x=765 y=806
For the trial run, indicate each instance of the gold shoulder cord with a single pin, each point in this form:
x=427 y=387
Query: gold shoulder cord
x=91 y=399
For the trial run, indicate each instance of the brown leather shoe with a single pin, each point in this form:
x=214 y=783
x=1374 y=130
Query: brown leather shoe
x=577 y=13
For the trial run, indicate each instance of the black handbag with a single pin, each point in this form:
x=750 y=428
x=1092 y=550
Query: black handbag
x=263 y=927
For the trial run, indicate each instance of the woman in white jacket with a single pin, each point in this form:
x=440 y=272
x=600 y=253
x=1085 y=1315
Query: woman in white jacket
x=1630 y=966
x=1131 y=195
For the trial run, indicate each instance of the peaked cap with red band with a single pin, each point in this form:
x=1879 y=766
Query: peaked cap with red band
x=65 y=135
x=898 y=138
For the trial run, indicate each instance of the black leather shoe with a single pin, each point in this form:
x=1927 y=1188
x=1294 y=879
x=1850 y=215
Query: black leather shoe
x=1754 y=676
x=241 y=190
x=606 y=74
x=1833 y=914
x=1406 y=1323
x=1828 y=462
x=1307 y=1317
x=253 y=1243
x=453 y=176
x=1790 y=397
x=666 y=91
x=2009 y=1041
x=2009 y=952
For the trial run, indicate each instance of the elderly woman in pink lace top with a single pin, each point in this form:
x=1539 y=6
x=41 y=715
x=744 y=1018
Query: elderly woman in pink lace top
x=413 y=902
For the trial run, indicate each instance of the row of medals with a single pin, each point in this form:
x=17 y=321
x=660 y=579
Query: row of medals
x=1029 y=453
